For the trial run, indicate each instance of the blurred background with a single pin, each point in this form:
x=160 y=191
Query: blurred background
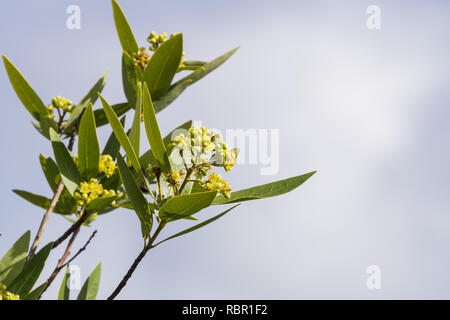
x=368 y=109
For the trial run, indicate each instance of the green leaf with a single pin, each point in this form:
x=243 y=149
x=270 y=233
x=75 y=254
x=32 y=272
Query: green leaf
x=90 y=98
x=126 y=37
x=51 y=172
x=135 y=131
x=112 y=146
x=99 y=204
x=192 y=63
x=266 y=190
x=121 y=134
x=25 y=281
x=62 y=206
x=69 y=171
x=88 y=147
x=26 y=94
x=13 y=261
x=119 y=109
x=185 y=205
x=64 y=290
x=178 y=87
x=198 y=226
x=90 y=287
x=135 y=195
x=171 y=95
x=36 y=293
x=45 y=124
x=129 y=78
x=163 y=66
x=152 y=130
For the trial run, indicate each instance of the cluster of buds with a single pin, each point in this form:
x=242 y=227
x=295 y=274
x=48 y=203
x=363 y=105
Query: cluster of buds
x=156 y=40
x=6 y=295
x=141 y=58
x=88 y=191
x=107 y=165
x=215 y=182
x=207 y=149
x=60 y=103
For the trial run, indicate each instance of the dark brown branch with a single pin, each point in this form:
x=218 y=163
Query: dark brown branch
x=72 y=229
x=79 y=251
x=61 y=261
x=136 y=262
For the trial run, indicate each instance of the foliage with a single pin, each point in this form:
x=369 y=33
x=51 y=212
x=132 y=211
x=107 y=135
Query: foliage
x=172 y=180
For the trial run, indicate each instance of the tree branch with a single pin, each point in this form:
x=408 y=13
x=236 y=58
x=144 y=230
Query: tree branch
x=136 y=262
x=49 y=211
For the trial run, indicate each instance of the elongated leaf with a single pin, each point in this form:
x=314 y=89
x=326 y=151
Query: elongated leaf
x=26 y=94
x=152 y=129
x=207 y=67
x=135 y=132
x=36 y=293
x=266 y=190
x=99 y=204
x=135 y=195
x=192 y=63
x=119 y=109
x=90 y=287
x=13 y=261
x=62 y=206
x=198 y=226
x=25 y=281
x=69 y=171
x=90 y=98
x=163 y=66
x=126 y=37
x=88 y=147
x=182 y=206
x=112 y=146
x=121 y=134
x=51 y=172
x=129 y=79
x=178 y=87
x=171 y=95
x=64 y=290
x=45 y=124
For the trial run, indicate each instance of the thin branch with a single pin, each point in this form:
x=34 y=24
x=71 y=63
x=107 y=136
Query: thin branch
x=79 y=251
x=49 y=211
x=72 y=229
x=44 y=220
x=136 y=262
x=61 y=261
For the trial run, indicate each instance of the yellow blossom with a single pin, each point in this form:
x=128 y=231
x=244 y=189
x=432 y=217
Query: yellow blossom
x=215 y=182
x=107 y=165
x=88 y=191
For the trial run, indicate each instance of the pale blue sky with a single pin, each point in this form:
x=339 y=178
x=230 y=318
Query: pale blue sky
x=368 y=109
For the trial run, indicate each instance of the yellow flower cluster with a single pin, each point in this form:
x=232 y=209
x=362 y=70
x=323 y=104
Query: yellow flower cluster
x=156 y=40
x=174 y=177
x=6 y=295
x=141 y=58
x=207 y=147
x=60 y=103
x=215 y=182
x=107 y=165
x=88 y=191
